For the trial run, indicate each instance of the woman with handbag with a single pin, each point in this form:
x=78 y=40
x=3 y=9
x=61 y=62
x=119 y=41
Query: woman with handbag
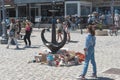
x=28 y=31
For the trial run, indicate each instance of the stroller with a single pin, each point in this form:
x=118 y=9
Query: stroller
x=113 y=30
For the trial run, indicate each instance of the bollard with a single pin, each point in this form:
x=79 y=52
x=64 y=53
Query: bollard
x=4 y=38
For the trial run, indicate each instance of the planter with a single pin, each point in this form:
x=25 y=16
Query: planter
x=101 y=33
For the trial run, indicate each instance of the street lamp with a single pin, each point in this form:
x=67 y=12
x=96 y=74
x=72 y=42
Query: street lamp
x=4 y=37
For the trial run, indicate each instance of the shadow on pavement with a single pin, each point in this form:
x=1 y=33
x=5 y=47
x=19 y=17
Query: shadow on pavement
x=19 y=49
x=23 y=48
x=101 y=78
x=33 y=36
x=34 y=46
x=73 y=41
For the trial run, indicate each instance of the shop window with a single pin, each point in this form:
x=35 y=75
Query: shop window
x=104 y=10
x=10 y=12
x=117 y=8
x=85 y=10
x=71 y=9
x=22 y=11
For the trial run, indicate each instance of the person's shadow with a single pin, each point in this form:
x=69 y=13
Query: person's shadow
x=19 y=48
x=71 y=41
x=101 y=78
x=98 y=78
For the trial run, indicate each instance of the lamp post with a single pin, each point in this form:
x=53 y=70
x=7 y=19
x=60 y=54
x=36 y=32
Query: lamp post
x=0 y=23
x=4 y=37
x=112 y=10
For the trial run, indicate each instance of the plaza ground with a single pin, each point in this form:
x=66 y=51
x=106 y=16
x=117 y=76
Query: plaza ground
x=14 y=63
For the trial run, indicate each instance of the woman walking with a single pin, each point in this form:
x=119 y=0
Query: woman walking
x=89 y=52
x=13 y=33
x=28 y=30
x=18 y=24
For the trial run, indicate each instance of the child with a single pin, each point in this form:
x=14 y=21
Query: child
x=50 y=59
x=89 y=52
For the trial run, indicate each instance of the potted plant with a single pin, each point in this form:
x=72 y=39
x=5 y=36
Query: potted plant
x=100 y=31
x=100 y=26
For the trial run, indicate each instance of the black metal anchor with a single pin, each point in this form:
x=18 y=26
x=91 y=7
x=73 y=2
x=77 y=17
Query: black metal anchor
x=54 y=46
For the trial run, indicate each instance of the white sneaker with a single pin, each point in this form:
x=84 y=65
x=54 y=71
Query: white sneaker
x=80 y=77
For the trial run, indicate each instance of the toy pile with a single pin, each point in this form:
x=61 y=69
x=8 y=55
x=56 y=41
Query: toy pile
x=62 y=58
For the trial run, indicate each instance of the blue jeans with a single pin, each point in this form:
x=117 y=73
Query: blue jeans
x=87 y=59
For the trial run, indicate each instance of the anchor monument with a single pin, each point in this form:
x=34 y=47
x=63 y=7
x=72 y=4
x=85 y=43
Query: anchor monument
x=54 y=46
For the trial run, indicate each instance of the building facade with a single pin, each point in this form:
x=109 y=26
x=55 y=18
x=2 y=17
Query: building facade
x=40 y=8
x=35 y=9
x=9 y=8
x=105 y=6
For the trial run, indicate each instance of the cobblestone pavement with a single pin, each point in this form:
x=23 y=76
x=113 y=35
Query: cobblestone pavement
x=14 y=63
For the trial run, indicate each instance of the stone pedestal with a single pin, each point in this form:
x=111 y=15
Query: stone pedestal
x=101 y=33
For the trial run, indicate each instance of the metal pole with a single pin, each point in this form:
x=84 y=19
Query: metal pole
x=112 y=10
x=0 y=14
x=53 y=23
x=4 y=38
x=0 y=23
